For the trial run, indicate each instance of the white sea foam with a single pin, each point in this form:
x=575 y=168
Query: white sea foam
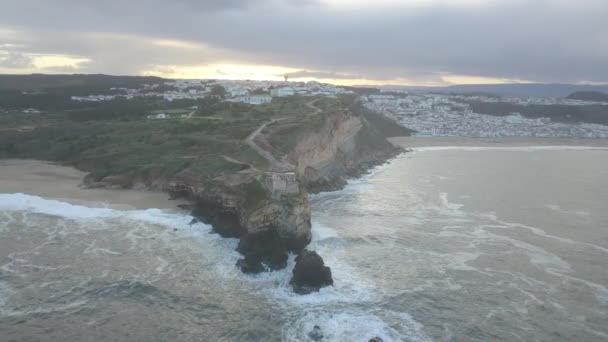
x=444 y=201
x=35 y=204
x=322 y=232
x=352 y=326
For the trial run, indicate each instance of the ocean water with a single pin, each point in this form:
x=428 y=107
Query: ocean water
x=442 y=244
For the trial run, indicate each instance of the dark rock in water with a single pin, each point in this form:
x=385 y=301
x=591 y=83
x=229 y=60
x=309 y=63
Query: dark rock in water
x=187 y=207
x=316 y=334
x=310 y=273
x=262 y=251
x=224 y=221
x=194 y=221
x=376 y=339
x=178 y=192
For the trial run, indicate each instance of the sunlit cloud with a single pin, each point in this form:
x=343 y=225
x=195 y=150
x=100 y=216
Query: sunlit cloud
x=468 y=79
x=56 y=61
x=221 y=71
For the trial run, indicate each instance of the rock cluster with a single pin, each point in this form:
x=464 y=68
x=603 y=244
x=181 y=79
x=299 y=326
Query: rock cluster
x=310 y=273
x=263 y=251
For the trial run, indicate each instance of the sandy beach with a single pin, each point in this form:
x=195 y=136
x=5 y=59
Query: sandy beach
x=63 y=183
x=416 y=141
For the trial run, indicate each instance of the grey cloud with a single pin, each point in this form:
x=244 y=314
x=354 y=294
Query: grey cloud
x=320 y=74
x=15 y=60
x=540 y=40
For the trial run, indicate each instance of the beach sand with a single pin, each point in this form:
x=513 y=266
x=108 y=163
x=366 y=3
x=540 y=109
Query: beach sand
x=63 y=183
x=416 y=141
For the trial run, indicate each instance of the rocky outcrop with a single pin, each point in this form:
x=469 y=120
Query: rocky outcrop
x=346 y=146
x=263 y=251
x=316 y=334
x=310 y=273
x=269 y=210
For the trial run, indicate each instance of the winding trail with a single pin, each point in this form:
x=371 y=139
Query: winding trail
x=311 y=105
x=275 y=164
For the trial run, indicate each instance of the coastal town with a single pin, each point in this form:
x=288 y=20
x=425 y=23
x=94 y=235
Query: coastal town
x=242 y=91
x=451 y=115
x=428 y=114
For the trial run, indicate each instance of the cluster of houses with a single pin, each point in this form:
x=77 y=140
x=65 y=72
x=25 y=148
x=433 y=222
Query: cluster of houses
x=448 y=115
x=250 y=92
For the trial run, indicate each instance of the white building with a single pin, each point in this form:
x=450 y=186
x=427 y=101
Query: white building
x=282 y=92
x=237 y=91
x=252 y=99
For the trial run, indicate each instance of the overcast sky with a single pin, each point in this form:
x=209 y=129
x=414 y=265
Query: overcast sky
x=421 y=42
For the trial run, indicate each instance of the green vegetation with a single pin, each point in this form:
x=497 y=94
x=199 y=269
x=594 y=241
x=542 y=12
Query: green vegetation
x=72 y=85
x=116 y=138
x=116 y=147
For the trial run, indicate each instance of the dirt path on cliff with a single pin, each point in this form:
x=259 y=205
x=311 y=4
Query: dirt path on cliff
x=275 y=164
x=311 y=105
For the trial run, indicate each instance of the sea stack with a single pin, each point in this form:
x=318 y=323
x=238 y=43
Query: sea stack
x=310 y=273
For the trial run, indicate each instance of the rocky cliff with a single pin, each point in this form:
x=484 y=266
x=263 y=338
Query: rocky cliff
x=345 y=146
x=269 y=210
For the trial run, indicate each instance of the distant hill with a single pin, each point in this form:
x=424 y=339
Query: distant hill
x=516 y=89
x=589 y=96
x=77 y=84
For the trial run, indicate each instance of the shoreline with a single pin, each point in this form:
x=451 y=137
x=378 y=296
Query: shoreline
x=418 y=141
x=64 y=183
x=54 y=181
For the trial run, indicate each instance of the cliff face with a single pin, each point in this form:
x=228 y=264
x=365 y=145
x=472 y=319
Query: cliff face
x=250 y=202
x=346 y=146
x=269 y=210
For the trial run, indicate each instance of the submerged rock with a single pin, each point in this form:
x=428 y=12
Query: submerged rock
x=310 y=273
x=263 y=251
x=316 y=334
x=376 y=339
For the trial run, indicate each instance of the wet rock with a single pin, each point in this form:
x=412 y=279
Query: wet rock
x=316 y=334
x=178 y=192
x=310 y=273
x=263 y=251
x=194 y=221
x=186 y=207
x=376 y=339
x=224 y=221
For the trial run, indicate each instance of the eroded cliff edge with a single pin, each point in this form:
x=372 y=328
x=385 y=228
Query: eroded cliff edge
x=269 y=209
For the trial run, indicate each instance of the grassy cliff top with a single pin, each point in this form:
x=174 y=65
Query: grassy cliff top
x=121 y=137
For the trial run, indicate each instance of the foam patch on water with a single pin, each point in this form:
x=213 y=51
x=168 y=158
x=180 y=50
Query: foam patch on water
x=35 y=204
x=352 y=326
x=322 y=232
x=443 y=197
x=6 y=292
